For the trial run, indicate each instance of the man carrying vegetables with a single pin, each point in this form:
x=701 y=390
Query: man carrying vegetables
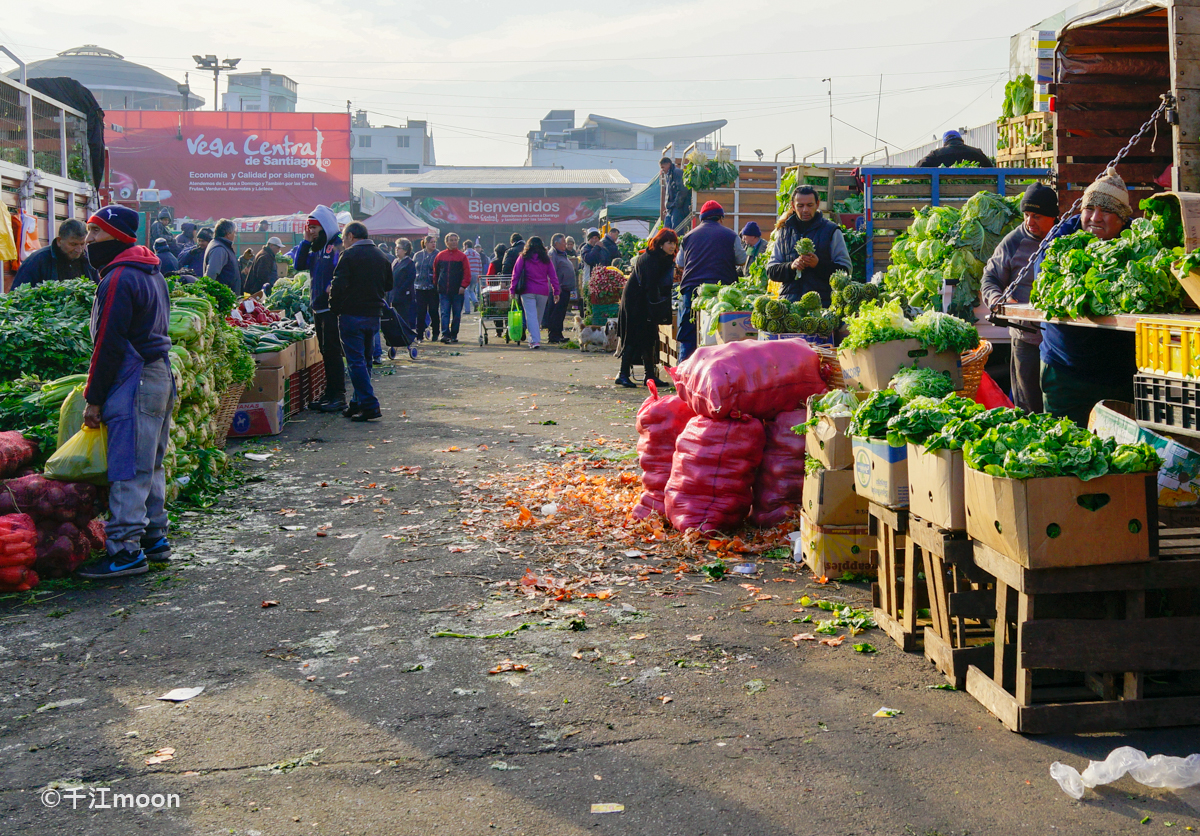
x=130 y=390
x=1083 y=365
x=808 y=249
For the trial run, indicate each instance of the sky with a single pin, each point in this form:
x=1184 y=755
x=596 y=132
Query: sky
x=484 y=72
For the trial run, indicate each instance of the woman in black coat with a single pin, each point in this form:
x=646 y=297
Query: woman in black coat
x=645 y=303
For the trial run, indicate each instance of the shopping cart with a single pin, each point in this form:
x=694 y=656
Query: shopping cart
x=494 y=302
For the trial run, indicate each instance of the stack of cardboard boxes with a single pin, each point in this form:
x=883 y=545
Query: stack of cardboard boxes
x=283 y=385
x=833 y=538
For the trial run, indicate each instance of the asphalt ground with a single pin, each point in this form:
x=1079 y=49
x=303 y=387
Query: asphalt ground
x=307 y=602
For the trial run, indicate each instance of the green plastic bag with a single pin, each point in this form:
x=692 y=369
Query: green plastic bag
x=70 y=416
x=516 y=321
x=84 y=458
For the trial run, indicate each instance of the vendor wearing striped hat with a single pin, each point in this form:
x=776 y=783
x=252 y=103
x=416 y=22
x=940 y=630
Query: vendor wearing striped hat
x=1082 y=365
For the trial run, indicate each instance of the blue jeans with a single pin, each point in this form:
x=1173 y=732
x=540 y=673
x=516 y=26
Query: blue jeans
x=451 y=313
x=137 y=504
x=358 y=341
x=686 y=331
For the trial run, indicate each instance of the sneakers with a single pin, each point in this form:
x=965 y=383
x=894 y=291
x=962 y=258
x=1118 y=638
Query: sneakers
x=157 y=550
x=362 y=417
x=316 y=405
x=332 y=406
x=116 y=565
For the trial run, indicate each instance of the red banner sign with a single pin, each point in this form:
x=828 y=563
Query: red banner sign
x=510 y=210
x=213 y=165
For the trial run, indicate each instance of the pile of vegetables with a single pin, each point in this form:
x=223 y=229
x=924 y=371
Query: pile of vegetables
x=880 y=322
x=292 y=296
x=606 y=285
x=252 y=311
x=16 y=452
x=1036 y=446
x=921 y=383
x=264 y=339
x=64 y=515
x=1018 y=97
x=44 y=330
x=702 y=174
x=848 y=295
x=945 y=423
x=945 y=244
x=18 y=539
x=1083 y=276
x=871 y=418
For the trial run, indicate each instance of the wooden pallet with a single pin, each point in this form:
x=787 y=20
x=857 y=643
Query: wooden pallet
x=1022 y=136
x=668 y=346
x=1094 y=648
x=896 y=595
x=961 y=601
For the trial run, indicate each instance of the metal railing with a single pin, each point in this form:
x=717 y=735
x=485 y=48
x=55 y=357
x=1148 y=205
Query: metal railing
x=38 y=132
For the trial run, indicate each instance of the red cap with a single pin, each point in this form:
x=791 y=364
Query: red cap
x=713 y=207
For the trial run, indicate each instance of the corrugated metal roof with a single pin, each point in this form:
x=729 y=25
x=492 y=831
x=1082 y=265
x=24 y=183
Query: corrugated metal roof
x=497 y=177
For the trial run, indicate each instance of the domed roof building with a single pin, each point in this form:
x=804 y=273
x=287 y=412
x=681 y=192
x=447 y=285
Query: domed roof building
x=116 y=83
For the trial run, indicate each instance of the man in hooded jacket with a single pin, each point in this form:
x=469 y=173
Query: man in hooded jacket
x=130 y=391
x=954 y=150
x=318 y=254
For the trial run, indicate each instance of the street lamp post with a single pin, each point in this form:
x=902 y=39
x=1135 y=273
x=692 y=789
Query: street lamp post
x=210 y=62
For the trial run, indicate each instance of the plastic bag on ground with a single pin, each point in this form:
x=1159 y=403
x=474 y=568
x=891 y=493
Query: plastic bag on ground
x=84 y=458
x=1159 y=771
x=659 y=423
x=712 y=473
x=749 y=378
x=779 y=484
x=16 y=451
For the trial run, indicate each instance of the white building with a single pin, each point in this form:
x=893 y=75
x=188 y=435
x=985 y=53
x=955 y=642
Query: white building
x=389 y=149
x=604 y=142
x=261 y=92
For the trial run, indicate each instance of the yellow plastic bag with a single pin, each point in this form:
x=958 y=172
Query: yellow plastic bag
x=70 y=416
x=84 y=458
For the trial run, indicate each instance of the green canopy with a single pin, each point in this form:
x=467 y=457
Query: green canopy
x=642 y=206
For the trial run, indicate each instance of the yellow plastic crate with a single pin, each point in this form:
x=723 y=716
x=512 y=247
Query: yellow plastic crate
x=1169 y=347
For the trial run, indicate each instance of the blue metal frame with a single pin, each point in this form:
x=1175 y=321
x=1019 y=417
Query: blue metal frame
x=935 y=190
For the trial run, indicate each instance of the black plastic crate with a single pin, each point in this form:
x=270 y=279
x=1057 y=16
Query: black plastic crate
x=1167 y=401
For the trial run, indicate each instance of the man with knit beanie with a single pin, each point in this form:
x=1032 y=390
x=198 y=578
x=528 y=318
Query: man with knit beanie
x=1040 y=207
x=709 y=254
x=130 y=391
x=1083 y=365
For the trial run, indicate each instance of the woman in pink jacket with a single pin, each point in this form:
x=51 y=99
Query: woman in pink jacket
x=534 y=277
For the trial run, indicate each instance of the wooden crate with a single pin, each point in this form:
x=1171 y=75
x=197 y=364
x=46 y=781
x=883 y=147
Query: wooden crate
x=1094 y=648
x=1023 y=136
x=897 y=595
x=961 y=601
x=668 y=346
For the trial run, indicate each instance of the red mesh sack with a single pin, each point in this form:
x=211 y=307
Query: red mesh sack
x=61 y=548
x=659 y=423
x=95 y=536
x=712 y=473
x=18 y=541
x=47 y=499
x=16 y=451
x=749 y=378
x=779 y=485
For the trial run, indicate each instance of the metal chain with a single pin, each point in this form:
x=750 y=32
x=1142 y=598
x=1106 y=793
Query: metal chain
x=1167 y=102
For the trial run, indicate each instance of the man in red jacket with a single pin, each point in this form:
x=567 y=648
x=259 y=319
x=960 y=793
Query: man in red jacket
x=451 y=273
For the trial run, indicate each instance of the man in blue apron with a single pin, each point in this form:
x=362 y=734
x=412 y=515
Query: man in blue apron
x=130 y=390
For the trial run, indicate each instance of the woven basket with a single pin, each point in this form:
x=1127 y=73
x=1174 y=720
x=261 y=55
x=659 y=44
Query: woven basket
x=973 y=362
x=230 y=399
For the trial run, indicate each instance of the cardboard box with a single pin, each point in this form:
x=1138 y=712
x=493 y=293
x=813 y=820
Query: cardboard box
x=257 y=419
x=312 y=352
x=830 y=499
x=1041 y=523
x=284 y=359
x=881 y=471
x=828 y=443
x=832 y=551
x=268 y=385
x=734 y=326
x=936 y=492
x=703 y=337
x=301 y=349
x=873 y=367
x=1179 y=479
